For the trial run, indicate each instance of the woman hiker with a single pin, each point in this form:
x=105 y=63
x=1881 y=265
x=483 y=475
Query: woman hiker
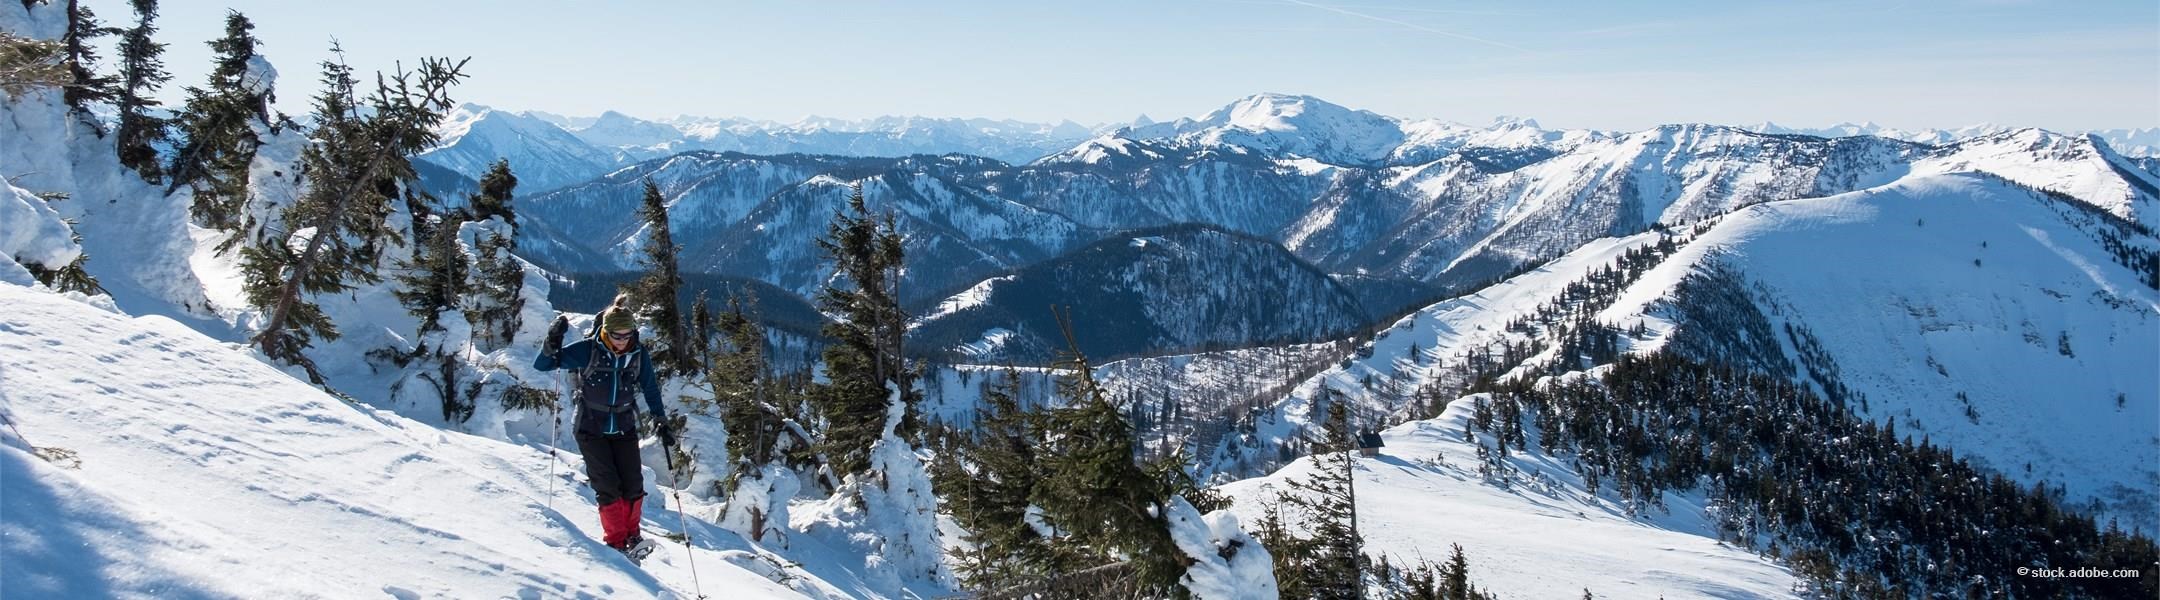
x=612 y=369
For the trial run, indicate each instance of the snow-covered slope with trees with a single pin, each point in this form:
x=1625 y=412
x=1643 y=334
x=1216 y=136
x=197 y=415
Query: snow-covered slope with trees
x=1175 y=288
x=706 y=192
x=1984 y=317
x=1543 y=536
x=1950 y=307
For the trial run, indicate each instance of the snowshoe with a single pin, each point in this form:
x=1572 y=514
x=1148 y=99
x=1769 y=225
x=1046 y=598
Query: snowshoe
x=638 y=548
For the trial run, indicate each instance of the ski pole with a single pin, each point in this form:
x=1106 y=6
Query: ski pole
x=555 y=433
x=689 y=549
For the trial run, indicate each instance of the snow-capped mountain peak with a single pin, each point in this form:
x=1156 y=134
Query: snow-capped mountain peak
x=1298 y=125
x=473 y=137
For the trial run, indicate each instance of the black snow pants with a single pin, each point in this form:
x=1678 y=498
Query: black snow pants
x=611 y=462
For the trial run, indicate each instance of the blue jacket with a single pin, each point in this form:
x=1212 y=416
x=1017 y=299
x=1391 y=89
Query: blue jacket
x=608 y=384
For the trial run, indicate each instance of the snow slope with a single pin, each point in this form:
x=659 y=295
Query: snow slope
x=1531 y=540
x=197 y=462
x=137 y=241
x=1938 y=287
x=2080 y=166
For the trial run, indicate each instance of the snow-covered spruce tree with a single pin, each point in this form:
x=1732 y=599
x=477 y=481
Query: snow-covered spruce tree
x=656 y=295
x=863 y=362
x=1335 y=568
x=741 y=379
x=1104 y=507
x=884 y=502
x=498 y=279
x=431 y=283
x=436 y=276
x=335 y=232
x=497 y=297
x=85 y=85
x=988 y=482
x=141 y=74
x=758 y=435
x=27 y=64
x=216 y=129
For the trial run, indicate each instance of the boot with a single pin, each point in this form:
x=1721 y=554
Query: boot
x=638 y=548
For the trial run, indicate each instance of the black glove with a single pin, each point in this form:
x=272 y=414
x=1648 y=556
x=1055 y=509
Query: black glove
x=553 y=345
x=667 y=433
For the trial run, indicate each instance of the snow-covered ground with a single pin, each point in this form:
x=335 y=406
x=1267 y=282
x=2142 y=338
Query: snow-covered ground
x=200 y=472
x=1937 y=288
x=1531 y=540
x=1419 y=346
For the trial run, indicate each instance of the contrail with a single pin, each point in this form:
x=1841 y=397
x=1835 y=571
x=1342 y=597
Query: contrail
x=1408 y=24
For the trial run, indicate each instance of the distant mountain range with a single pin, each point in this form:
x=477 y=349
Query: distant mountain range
x=1399 y=213
x=554 y=150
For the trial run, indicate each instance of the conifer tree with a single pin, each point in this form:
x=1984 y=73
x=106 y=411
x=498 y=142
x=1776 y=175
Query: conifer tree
x=141 y=74
x=864 y=357
x=85 y=85
x=757 y=406
x=702 y=323
x=496 y=188
x=1104 y=506
x=1291 y=554
x=742 y=381
x=1329 y=500
x=1420 y=582
x=656 y=294
x=216 y=130
x=990 y=490
x=357 y=163
x=435 y=278
x=498 y=287
x=499 y=278
x=1455 y=575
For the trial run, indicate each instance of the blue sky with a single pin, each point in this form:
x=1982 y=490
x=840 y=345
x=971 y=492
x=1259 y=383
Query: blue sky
x=1610 y=65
